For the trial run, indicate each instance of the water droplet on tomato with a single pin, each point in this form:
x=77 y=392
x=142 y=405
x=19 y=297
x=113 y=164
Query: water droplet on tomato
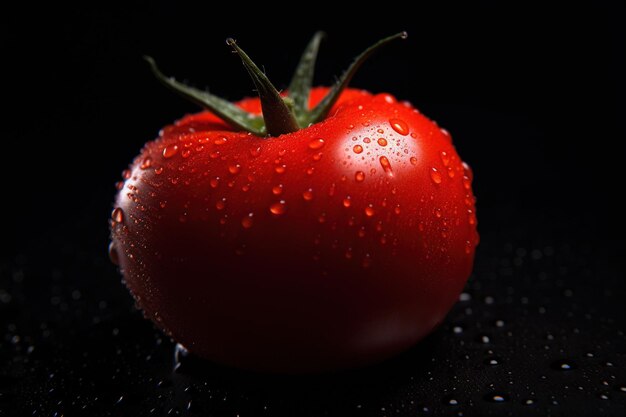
x=318 y=156
x=278 y=208
x=413 y=160
x=214 y=154
x=308 y=195
x=119 y=185
x=221 y=140
x=277 y=189
x=214 y=182
x=280 y=169
x=117 y=215
x=445 y=158
x=234 y=169
x=158 y=170
x=162 y=204
x=310 y=170
x=435 y=175
x=254 y=152
x=359 y=176
x=366 y=140
x=384 y=162
x=170 y=151
x=437 y=212
x=331 y=190
x=221 y=204
x=357 y=149
x=113 y=255
x=347 y=202
x=186 y=153
x=382 y=142
x=467 y=183
x=451 y=172
x=247 y=222
x=399 y=126
x=468 y=247
x=369 y=210
x=146 y=163
x=397 y=209
x=316 y=144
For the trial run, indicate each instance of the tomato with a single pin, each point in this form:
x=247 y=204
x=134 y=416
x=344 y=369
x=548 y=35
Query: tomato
x=333 y=246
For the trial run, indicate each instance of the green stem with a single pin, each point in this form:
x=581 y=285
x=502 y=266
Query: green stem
x=300 y=86
x=321 y=110
x=278 y=117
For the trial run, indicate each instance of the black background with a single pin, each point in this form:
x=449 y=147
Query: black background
x=534 y=99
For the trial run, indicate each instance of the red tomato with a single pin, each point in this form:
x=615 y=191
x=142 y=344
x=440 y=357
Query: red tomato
x=334 y=246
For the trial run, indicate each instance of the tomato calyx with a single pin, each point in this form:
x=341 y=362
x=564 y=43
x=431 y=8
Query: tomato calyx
x=281 y=113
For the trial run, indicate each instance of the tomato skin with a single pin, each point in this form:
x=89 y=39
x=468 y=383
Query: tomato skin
x=305 y=252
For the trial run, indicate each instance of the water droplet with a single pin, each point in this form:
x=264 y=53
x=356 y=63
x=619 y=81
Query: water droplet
x=186 y=153
x=359 y=176
x=170 y=151
x=221 y=140
x=369 y=210
x=254 y=152
x=347 y=202
x=246 y=222
x=310 y=170
x=214 y=154
x=146 y=163
x=437 y=212
x=280 y=169
x=445 y=158
x=113 y=255
x=331 y=190
x=221 y=204
x=126 y=174
x=278 y=208
x=366 y=140
x=396 y=209
x=278 y=189
x=382 y=142
x=357 y=149
x=162 y=204
x=308 y=195
x=451 y=172
x=457 y=330
x=158 y=170
x=467 y=183
x=399 y=126
x=234 y=169
x=468 y=247
x=384 y=162
x=316 y=144
x=413 y=160
x=317 y=156
x=214 y=182
x=496 y=397
x=563 y=365
x=435 y=175
x=117 y=215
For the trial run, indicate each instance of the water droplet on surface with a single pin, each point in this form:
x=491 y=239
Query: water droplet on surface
x=170 y=151
x=158 y=170
x=435 y=175
x=413 y=160
x=316 y=144
x=359 y=176
x=247 y=222
x=347 y=202
x=496 y=398
x=117 y=215
x=186 y=153
x=214 y=182
x=369 y=210
x=366 y=140
x=234 y=169
x=399 y=126
x=278 y=208
x=308 y=195
x=382 y=142
x=280 y=169
x=563 y=365
x=146 y=163
x=126 y=174
x=220 y=141
x=254 y=152
x=445 y=158
x=278 y=189
x=357 y=149
x=437 y=212
x=384 y=162
x=113 y=255
x=221 y=204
